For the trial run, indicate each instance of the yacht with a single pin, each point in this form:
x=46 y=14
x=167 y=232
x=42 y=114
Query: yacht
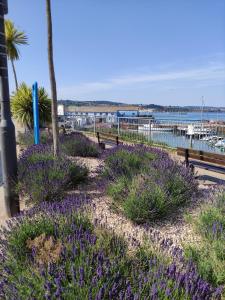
x=220 y=143
x=155 y=127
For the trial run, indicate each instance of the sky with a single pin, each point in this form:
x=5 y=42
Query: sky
x=133 y=51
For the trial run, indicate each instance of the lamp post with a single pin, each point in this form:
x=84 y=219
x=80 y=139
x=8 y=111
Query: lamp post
x=7 y=129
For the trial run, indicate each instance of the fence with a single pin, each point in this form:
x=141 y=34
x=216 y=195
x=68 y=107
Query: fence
x=197 y=135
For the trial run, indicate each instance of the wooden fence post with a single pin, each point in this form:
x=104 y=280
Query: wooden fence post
x=186 y=157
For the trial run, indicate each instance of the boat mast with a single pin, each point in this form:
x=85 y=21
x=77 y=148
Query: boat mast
x=202 y=111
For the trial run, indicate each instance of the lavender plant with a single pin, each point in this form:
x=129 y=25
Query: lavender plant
x=27 y=138
x=126 y=160
x=43 y=177
x=77 y=144
x=146 y=182
x=54 y=252
x=209 y=255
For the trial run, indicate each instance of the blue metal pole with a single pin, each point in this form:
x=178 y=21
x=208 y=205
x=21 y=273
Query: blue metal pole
x=36 y=114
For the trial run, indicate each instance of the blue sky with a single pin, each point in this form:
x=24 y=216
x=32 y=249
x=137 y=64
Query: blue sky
x=134 y=51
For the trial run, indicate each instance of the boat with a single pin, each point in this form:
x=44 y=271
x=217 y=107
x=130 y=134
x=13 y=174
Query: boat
x=198 y=129
x=206 y=138
x=220 y=143
x=214 y=139
x=155 y=127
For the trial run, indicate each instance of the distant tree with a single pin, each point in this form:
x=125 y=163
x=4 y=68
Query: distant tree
x=14 y=38
x=22 y=106
x=55 y=131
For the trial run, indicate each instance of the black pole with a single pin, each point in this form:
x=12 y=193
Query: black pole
x=7 y=129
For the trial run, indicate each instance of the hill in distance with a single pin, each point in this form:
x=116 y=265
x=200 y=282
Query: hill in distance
x=89 y=103
x=156 y=107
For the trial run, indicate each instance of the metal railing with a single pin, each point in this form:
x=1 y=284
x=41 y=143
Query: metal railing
x=197 y=135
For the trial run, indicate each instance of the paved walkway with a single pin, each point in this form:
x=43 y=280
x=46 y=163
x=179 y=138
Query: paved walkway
x=206 y=177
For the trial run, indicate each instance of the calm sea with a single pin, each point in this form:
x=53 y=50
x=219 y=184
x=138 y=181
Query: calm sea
x=190 y=116
x=179 y=140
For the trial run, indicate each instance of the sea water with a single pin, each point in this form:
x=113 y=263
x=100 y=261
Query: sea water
x=178 y=140
x=189 y=116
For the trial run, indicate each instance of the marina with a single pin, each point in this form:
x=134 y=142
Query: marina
x=199 y=136
x=198 y=130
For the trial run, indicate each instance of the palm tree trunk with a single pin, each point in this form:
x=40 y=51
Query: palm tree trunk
x=55 y=132
x=14 y=73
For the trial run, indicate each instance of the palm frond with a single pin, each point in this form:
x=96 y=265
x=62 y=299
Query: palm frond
x=14 y=38
x=22 y=106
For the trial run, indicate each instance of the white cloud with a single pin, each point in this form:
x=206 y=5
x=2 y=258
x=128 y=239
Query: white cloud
x=212 y=74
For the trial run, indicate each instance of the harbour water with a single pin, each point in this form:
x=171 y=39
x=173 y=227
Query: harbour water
x=181 y=140
x=175 y=141
x=189 y=116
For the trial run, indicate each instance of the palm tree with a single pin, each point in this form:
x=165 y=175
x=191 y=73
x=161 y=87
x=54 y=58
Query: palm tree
x=14 y=38
x=55 y=132
x=22 y=106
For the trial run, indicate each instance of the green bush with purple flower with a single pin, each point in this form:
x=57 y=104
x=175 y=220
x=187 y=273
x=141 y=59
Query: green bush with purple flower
x=54 y=252
x=77 y=144
x=209 y=255
x=27 y=138
x=146 y=183
x=43 y=177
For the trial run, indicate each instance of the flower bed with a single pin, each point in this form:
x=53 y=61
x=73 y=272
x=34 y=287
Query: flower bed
x=209 y=255
x=53 y=252
x=43 y=177
x=146 y=183
x=77 y=144
x=27 y=138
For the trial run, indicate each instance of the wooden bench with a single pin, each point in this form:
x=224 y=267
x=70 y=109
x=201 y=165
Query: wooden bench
x=210 y=161
x=109 y=138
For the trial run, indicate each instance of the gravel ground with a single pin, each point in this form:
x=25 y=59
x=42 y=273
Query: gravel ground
x=175 y=229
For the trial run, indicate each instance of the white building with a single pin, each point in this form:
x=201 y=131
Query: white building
x=101 y=113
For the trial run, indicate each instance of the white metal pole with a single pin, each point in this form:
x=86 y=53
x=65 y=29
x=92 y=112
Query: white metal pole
x=94 y=125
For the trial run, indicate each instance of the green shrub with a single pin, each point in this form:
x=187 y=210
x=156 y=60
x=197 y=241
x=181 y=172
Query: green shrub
x=209 y=258
x=145 y=200
x=44 y=177
x=53 y=252
x=76 y=144
x=22 y=106
x=209 y=255
x=146 y=183
x=118 y=189
x=124 y=162
x=129 y=163
x=149 y=196
x=27 y=138
x=78 y=174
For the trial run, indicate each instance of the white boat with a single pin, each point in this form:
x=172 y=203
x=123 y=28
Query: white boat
x=214 y=139
x=154 y=127
x=206 y=138
x=198 y=129
x=220 y=143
